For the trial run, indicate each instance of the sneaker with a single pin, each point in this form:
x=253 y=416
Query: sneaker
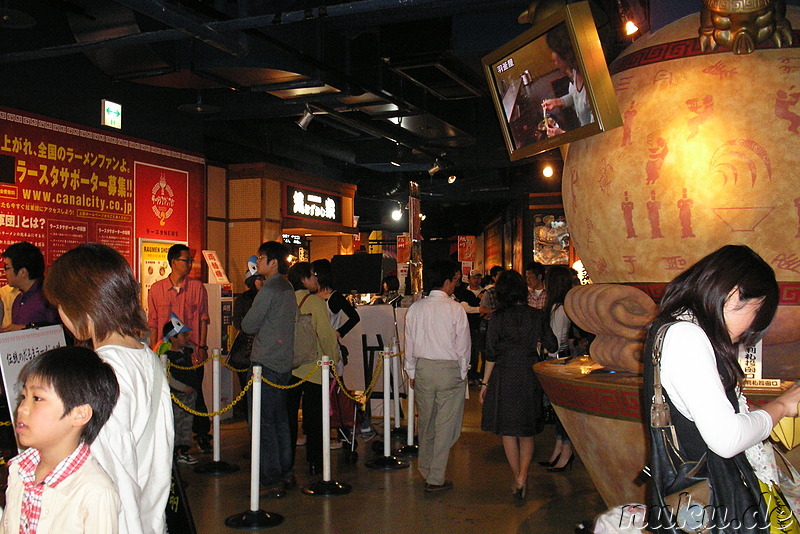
x=335 y=444
x=204 y=443
x=186 y=458
x=433 y=488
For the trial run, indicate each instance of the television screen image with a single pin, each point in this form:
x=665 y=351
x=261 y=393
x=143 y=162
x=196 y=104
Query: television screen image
x=360 y=273
x=551 y=85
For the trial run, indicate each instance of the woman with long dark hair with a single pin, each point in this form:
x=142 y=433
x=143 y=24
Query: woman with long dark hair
x=558 y=282
x=725 y=300
x=510 y=393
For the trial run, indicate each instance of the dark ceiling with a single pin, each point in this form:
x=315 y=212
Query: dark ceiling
x=389 y=82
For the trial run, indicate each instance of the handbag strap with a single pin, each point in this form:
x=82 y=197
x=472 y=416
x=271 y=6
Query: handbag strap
x=659 y=411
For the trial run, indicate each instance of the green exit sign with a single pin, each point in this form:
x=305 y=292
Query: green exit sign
x=111 y=114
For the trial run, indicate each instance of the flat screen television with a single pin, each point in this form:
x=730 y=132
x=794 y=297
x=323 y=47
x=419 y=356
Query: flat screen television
x=362 y=273
x=551 y=85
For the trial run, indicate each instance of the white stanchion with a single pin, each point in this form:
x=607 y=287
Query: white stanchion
x=216 y=467
x=326 y=486
x=409 y=449
x=254 y=518
x=387 y=461
x=396 y=382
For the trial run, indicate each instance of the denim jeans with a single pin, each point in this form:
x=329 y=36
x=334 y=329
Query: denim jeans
x=276 y=446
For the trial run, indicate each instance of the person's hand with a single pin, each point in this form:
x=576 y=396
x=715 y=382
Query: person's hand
x=484 y=388
x=789 y=400
x=551 y=103
x=552 y=132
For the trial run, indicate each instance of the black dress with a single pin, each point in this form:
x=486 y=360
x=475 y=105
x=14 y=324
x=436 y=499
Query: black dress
x=513 y=402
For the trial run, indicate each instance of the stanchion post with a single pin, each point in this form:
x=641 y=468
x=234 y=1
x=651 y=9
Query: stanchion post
x=216 y=467
x=326 y=486
x=387 y=461
x=396 y=383
x=254 y=518
x=409 y=449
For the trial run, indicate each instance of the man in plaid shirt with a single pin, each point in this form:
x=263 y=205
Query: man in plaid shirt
x=67 y=395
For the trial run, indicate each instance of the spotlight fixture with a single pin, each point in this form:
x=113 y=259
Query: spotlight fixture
x=397 y=214
x=452 y=178
x=547 y=172
x=305 y=119
x=434 y=168
x=398 y=155
x=422 y=217
x=630 y=27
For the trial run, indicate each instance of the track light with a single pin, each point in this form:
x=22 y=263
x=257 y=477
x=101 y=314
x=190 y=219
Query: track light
x=434 y=168
x=547 y=172
x=306 y=119
x=630 y=27
x=397 y=214
x=452 y=178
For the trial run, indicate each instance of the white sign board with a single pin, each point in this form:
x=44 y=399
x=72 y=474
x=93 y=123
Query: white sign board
x=18 y=348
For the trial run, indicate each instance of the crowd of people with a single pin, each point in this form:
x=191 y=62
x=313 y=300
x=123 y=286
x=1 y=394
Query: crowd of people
x=102 y=431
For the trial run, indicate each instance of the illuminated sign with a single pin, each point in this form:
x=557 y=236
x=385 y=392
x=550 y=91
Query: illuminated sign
x=305 y=204
x=292 y=239
x=111 y=114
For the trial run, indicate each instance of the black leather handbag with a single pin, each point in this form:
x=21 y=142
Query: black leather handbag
x=708 y=495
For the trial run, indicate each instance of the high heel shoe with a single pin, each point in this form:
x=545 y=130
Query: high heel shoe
x=546 y=464
x=520 y=490
x=564 y=467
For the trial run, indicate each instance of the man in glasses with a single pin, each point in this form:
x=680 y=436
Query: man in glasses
x=187 y=298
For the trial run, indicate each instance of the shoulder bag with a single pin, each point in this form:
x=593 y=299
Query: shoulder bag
x=306 y=341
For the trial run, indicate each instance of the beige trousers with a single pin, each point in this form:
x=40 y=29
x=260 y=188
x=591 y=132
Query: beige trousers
x=439 y=391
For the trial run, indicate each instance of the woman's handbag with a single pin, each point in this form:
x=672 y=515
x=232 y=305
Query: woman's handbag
x=708 y=495
x=680 y=492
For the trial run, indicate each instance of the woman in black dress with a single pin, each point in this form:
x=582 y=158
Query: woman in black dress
x=510 y=393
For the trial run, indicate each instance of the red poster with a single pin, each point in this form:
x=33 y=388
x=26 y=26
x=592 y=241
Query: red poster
x=161 y=195
x=62 y=185
x=466 y=248
x=403 y=248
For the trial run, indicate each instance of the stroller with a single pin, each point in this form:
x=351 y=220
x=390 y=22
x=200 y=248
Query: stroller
x=346 y=415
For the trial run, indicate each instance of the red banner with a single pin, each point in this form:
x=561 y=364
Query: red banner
x=466 y=248
x=62 y=185
x=403 y=248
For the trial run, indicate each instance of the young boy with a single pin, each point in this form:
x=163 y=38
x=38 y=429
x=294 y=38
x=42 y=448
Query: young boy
x=181 y=383
x=56 y=486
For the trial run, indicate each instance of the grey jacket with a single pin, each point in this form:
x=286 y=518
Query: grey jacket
x=271 y=318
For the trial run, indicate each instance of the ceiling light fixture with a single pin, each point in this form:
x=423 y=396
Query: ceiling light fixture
x=305 y=119
x=547 y=172
x=452 y=178
x=397 y=214
x=630 y=27
x=434 y=168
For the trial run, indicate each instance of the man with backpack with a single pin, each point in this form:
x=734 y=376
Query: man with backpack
x=272 y=318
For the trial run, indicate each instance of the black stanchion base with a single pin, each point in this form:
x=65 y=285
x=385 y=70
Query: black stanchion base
x=216 y=468
x=250 y=520
x=407 y=451
x=400 y=432
x=331 y=487
x=386 y=463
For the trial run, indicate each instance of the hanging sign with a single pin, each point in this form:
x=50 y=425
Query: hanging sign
x=314 y=205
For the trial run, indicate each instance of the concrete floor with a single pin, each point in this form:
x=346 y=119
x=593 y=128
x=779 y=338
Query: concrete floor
x=394 y=501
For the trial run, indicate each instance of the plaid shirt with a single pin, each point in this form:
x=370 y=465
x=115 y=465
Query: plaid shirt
x=534 y=301
x=32 y=498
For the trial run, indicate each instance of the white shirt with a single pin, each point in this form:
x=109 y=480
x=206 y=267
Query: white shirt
x=690 y=378
x=560 y=323
x=143 y=483
x=437 y=329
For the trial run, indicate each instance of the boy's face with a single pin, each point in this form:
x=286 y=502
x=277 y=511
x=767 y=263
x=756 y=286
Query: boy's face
x=41 y=422
x=181 y=340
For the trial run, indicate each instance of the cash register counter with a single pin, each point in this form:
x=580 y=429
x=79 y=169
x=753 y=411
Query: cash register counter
x=602 y=413
x=376 y=320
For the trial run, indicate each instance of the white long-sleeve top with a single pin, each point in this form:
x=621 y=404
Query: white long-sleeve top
x=690 y=378
x=560 y=323
x=437 y=329
x=143 y=481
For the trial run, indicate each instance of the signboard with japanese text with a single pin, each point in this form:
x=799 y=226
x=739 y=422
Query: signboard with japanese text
x=466 y=248
x=403 y=248
x=62 y=185
x=312 y=204
x=18 y=348
x=153 y=264
x=216 y=272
